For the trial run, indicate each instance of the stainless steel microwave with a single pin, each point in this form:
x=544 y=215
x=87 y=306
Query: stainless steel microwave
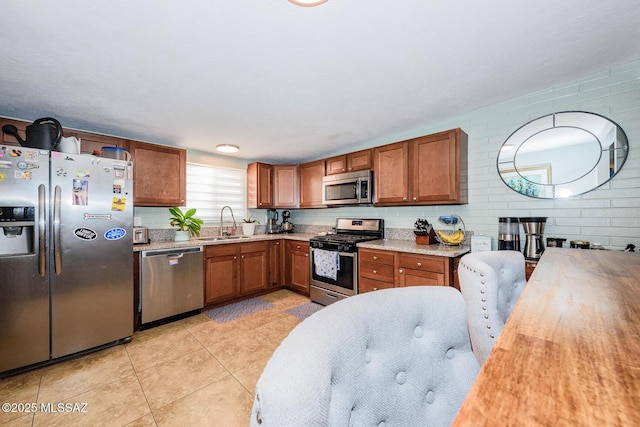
x=351 y=188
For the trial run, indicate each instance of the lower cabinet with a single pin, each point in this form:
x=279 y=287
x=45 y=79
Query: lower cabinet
x=276 y=264
x=379 y=269
x=233 y=270
x=297 y=266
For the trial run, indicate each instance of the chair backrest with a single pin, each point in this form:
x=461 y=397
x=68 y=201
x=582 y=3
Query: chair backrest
x=491 y=283
x=394 y=357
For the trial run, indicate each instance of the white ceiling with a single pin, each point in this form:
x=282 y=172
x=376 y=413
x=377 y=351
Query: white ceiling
x=288 y=83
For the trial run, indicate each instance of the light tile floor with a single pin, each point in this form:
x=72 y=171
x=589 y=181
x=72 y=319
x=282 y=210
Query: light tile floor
x=192 y=372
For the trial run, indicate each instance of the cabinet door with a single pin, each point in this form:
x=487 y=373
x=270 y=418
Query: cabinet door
x=311 y=184
x=159 y=174
x=276 y=266
x=391 y=174
x=360 y=160
x=259 y=186
x=297 y=266
x=337 y=164
x=253 y=272
x=436 y=168
x=285 y=186
x=221 y=281
x=409 y=277
x=368 y=285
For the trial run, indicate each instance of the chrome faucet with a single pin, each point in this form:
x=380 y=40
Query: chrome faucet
x=232 y=217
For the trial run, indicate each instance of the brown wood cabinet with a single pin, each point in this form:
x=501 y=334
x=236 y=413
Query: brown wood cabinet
x=311 y=184
x=431 y=169
x=276 y=263
x=159 y=174
x=254 y=267
x=379 y=269
x=259 y=185
x=285 y=186
x=350 y=162
x=376 y=270
x=297 y=266
x=221 y=273
x=233 y=270
x=529 y=266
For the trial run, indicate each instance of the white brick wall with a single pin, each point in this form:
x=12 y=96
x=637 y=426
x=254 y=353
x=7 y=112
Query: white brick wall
x=609 y=215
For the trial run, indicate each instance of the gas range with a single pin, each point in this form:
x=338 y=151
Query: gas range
x=350 y=232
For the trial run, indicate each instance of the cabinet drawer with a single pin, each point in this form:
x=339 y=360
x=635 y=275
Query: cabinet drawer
x=380 y=257
x=423 y=263
x=367 y=285
x=296 y=245
x=376 y=271
x=246 y=248
x=220 y=250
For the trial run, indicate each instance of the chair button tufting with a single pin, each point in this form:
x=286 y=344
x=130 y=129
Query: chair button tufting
x=401 y=378
x=430 y=397
x=382 y=424
x=450 y=353
x=418 y=332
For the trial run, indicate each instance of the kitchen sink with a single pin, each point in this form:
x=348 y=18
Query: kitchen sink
x=214 y=238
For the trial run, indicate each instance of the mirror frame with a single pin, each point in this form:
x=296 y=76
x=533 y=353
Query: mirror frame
x=507 y=156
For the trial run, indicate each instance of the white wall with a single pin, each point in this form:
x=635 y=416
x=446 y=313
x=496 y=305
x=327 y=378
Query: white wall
x=609 y=215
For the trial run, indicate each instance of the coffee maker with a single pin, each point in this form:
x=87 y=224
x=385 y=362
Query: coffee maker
x=533 y=229
x=272 y=221
x=286 y=226
x=508 y=234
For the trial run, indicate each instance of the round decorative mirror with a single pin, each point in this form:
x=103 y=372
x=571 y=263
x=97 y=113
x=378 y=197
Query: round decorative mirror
x=562 y=154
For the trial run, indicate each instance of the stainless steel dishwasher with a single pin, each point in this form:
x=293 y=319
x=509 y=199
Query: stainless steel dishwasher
x=171 y=284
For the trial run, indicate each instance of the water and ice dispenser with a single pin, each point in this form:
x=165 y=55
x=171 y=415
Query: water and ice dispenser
x=17 y=228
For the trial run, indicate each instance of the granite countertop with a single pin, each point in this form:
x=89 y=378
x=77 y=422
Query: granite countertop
x=411 y=247
x=170 y=244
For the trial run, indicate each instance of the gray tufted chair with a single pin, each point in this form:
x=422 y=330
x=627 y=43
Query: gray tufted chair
x=395 y=357
x=491 y=283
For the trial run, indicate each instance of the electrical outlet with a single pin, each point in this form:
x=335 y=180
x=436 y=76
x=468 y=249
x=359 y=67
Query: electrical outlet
x=137 y=221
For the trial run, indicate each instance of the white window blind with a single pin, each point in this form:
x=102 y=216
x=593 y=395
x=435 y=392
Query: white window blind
x=210 y=188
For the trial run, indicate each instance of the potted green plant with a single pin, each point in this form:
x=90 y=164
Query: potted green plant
x=186 y=223
x=249 y=226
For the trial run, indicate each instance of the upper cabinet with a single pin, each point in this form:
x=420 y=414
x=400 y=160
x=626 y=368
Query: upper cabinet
x=285 y=186
x=159 y=174
x=359 y=160
x=259 y=186
x=428 y=170
x=92 y=143
x=311 y=184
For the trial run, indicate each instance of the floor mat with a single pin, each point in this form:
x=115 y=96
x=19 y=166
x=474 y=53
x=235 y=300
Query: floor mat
x=305 y=310
x=234 y=311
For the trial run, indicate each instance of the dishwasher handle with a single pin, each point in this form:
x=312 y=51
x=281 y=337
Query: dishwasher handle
x=171 y=253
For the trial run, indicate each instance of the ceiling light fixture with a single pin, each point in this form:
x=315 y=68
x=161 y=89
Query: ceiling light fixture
x=307 y=3
x=227 y=148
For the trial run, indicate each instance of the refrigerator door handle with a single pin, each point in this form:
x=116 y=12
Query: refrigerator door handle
x=42 y=255
x=56 y=230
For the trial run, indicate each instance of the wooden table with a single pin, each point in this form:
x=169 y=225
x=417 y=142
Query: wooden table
x=570 y=352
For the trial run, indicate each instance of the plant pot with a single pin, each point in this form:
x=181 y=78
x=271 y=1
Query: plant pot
x=181 y=236
x=248 y=228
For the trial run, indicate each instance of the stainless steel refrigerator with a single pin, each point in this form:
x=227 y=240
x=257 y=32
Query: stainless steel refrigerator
x=66 y=269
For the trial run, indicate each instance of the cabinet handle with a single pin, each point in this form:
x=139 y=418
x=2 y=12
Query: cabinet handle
x=419 y=264
x=404 y=198
x=306 y=255
x=375 y=258
x=375 y=272
x=415 y=198
x=401 y=271
x=375 y=289
x=235 y=257
x=242 y=256
x=277 y=243
x=298 y=246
